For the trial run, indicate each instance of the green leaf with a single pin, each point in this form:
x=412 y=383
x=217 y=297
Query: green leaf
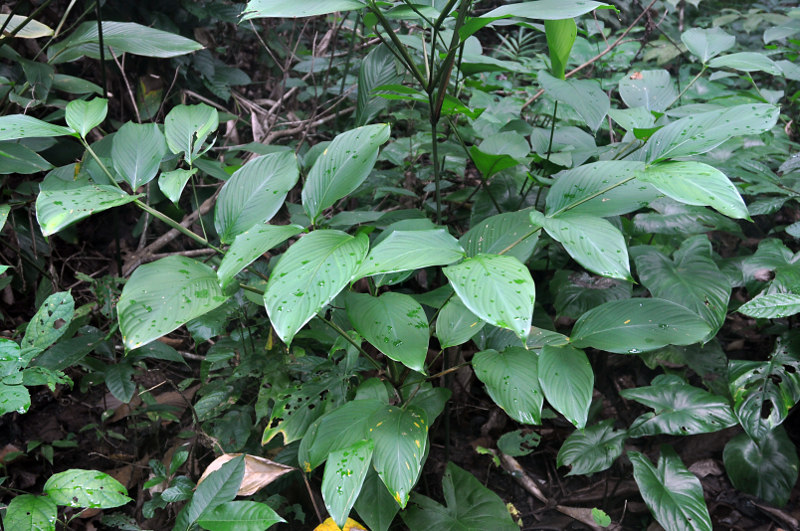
x=401 y=439
x=17 y=158
x=600 y=517
x=14 y=126
x=499 y=152
x=747 y=62
x=764 y=391
x=512 y=381
x=14 y=398
x=57 y=209
x=68 y=352
x=518 y=442
x=27 y=511
x=567 y=380
x=219 y=487
x=698 y=133
x=695 y=183
x=577 y=293
x=583 y=95
x=771 y=306
x=119 y=381
x=251 y=244
x=163 y=295
x=342 y=167
x=254 y=193
x=137 y=150
x=377 y=68
x=693 y=280
x=4 y=211
x=118 y=38
x=511 y=232
x=455 y=324
x=11 y=360
x=394 y=323
x=591 y=450
x=83 y=116
x=605 y=188
x=309 y=275
x=186 y=128
x=171 y=183
x=30 y=29
x=405 y=250
x=767 y=469
x=52 y=319
x=707 y=43
x=560 y=38
x=375 y=505
x=336 y=430
x=546 y=9
x=344 y=476
x=239 y=516
x=679 y=409
x=470 y=506
x=498 y=289
x=85 y=488
x=673 y=494
x=593 y=242
x=651 y=89
x=637 y=325
x=294 y=9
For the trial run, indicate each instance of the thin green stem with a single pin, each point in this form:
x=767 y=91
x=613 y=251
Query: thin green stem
x=687 y=87
x=411 y=66
x=350 y=340
x=251 y=289
x=592 y=196
x=520 y=240
x=552 y=131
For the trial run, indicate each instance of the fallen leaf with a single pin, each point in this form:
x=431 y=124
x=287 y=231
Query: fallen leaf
x=349 y=525
x=258 y=472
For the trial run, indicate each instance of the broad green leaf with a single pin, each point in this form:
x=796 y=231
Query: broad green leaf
x=498 y=289
x=546 y=9
x=118 y=379
x=510 y=233
x=698 y=133
x=342 y=167
x=585 y=96
x=30 y=29
x=14 y=126
x=469 y=506
x=632 y=326
x=85 y=488
x=786 y=29
x=119 y=38
x=394 y=323
x=767 y=469
x=455 y=324
x=600 y=517
x=171 y=183
x=375 y=505
x=251 y=244
x=405 y=250
x=186 y=128
x=52 y=319
x=680 y=219
x=377 y=68
x=560 y=38
x=692 y=280
x=605 y=188
x=254 y=193
x=591 y=450
x=512 y=380
x=83 y=116
x=296 y=407
x=651 y=89
x=695 y=183
x=771 y=306
x=137 y=150
x=593 y=242
x=239 y=516
x=499 y=152
x=27 y=511
x=401 y=439
x=707 y=43
x=14 y=398
x=344 y=476
x=673 y=494
x=567 y=379
x=57 y=209
x=217 y=488
x=11 y=360
x=4 y=211
x=68 y=352
x=679 y=409
x=518 y=442
x=747 y=62
x=309 y=275
x=764 y=391
x=578 y=292
x=295 y=9
x=163 y=295
x=336 y=430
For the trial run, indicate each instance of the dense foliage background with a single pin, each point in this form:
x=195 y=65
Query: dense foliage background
x=445 y=264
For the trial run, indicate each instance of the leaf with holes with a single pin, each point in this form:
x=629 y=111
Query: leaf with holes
x=567 y=380
x=57 y=209
x=309 y=275
x=85 y=488
x=27 y=511
x=344 y=476
x=186 y=128
x=591 y=450
x=52 y=319
x=512 y=381
x=163 y=295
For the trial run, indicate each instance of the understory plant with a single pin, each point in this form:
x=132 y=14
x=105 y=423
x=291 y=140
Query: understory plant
x=527 y=215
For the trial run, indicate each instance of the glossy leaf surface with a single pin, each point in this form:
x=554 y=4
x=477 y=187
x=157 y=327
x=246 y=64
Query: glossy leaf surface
x=251 y=244
x=240 y=515
x=294 y=9
x=455 y=324
x=512 y=381
x=567 y=379
x=85 y=488
x=403 y=250
x=27 y=511
x=510 y=233
x=771 y=306
x=593 y=449
x=57 y=209
x=83 y=116
x=137 y=150
x=585 y=96
x=186 y=128
x=344 y=476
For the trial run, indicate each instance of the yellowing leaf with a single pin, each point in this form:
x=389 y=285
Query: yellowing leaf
x=258 y=472
x=350 y=525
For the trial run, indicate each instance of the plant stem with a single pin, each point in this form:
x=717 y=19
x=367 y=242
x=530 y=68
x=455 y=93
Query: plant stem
x=350 y=340
x=552 y=131
x=687 y=87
